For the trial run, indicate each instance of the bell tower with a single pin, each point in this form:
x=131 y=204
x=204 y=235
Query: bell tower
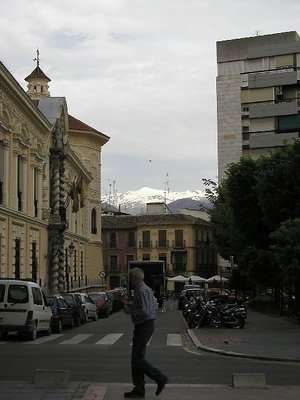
x=37 y=81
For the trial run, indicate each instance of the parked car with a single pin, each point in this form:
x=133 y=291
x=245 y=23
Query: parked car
x=110 y=299
x=101 y=301
x=78 y=311
x=89 y=306
x=62 y=315
x=23 y=308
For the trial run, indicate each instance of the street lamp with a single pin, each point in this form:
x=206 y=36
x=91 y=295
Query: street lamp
x=68 y=252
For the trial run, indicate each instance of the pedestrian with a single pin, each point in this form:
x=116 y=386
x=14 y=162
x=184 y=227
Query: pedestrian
x=142 y=311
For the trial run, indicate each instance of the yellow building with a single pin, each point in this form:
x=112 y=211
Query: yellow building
x=50 y=179
x=183 y=242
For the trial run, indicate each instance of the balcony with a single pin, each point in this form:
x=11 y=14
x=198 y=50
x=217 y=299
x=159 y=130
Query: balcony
x=269 y=78
x=178 y=244
x=273 y=109
x=162 y=244
x=145 y=244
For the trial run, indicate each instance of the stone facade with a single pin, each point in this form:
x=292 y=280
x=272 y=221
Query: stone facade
x=50 y=203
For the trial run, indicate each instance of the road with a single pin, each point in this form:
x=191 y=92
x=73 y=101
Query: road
x=100 y=352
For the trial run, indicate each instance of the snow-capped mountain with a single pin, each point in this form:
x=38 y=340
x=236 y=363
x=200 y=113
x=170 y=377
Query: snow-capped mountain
x=134 y=202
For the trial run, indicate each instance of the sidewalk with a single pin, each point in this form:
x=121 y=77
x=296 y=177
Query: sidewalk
x=93 y=391
x=264 y=337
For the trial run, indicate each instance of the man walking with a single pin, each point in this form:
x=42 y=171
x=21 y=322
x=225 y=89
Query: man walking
x=142 y=311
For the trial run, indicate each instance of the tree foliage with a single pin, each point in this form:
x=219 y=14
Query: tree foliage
x=252 y=201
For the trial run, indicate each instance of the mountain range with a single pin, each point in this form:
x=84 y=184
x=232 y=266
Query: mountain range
x=134 y=202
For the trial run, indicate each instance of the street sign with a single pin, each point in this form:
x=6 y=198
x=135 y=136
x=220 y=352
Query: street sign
x=102 y=274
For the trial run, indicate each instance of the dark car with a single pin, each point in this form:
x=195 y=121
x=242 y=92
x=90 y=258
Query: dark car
x=61 y=313
x=101 y=301
x=78 y=312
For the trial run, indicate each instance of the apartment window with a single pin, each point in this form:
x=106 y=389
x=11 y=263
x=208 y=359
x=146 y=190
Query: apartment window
x=162 y=238
x=17 y=258
x=179 y=260
x=129 y=258
x=146 y=238
x=113 y=263
x=94 y=221
x=131 y=239
x=146 y=257
x=113 y=240
x=178 y=238
x=163 y=257
x=1 y=172
x=35 y=191
x=19 y=183
x=34 y=262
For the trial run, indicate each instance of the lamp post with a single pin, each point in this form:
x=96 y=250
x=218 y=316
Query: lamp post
x=68 y=252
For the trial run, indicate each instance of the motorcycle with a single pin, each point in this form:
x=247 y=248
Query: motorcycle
x=217 y=315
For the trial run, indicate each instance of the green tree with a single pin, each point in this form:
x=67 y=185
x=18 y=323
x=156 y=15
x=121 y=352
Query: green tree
x=278 y=185
x=286 y=249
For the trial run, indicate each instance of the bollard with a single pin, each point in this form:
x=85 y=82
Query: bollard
x=248 y=380
x=51 y=378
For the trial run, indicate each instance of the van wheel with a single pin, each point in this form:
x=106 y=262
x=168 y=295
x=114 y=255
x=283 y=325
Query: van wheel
x=48 y=331
x=33 y=333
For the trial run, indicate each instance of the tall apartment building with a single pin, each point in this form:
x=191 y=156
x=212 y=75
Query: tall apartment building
x=258 y=86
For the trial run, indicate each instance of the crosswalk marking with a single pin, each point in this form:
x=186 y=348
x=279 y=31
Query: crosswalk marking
x=44 y=339
x=174 y=339
x=77 y=338
x=170 y=339
x=148 y=343
x=110 y=339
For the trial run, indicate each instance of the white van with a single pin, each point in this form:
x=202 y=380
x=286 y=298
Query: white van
x=23 y=308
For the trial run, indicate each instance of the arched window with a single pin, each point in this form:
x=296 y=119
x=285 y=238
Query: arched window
x=94 y=221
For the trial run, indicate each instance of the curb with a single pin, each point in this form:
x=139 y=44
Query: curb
x=200 y=346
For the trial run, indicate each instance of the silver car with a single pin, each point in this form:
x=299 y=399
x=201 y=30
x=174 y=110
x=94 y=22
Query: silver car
x=89 y=306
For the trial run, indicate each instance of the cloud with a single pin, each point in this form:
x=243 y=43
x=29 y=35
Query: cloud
x=141 y=71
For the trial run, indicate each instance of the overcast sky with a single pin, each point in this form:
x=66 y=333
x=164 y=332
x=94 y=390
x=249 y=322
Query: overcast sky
x=141 y=71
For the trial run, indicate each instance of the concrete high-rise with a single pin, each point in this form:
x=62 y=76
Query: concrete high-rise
x=258 y=95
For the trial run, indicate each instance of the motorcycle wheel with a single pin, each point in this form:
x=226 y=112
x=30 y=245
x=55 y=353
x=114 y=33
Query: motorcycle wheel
x=239 y=322
x=192 y=324
x=216 y=322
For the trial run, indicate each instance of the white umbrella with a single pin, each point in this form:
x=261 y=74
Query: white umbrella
x=195 y=278
x=178 y=278
x=216 y=278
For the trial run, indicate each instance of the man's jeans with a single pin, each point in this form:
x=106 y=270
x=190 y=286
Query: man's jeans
x=139 y=366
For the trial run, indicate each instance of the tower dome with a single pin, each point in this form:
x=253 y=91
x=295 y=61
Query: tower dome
x=37 y=87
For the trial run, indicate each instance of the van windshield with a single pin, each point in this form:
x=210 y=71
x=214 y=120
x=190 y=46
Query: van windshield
x=17 y=294
x=2 y=291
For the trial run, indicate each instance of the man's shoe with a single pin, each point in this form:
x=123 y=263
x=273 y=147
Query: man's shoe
x=134 y=394
x=161 y=383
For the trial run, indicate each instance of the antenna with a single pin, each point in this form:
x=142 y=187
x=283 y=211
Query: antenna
x=115 y=194
x=167 y=189
x=37 y=58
